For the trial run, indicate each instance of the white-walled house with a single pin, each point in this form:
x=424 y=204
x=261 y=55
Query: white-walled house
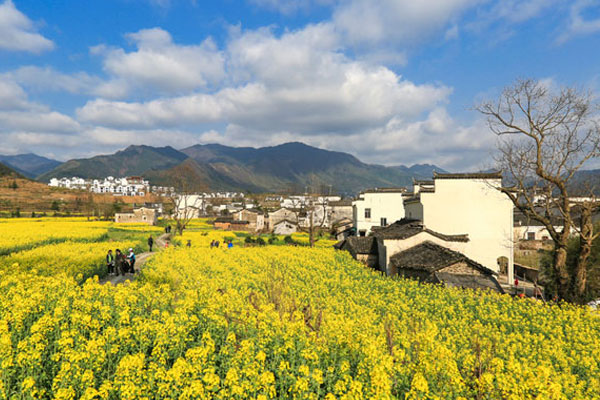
x=407 y=248
x=255 y=218
x=285 y=227
x=377 y=208
x=468 y=204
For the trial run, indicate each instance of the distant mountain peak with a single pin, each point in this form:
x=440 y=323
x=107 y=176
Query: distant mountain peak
x=30 y=165
x=290 y=167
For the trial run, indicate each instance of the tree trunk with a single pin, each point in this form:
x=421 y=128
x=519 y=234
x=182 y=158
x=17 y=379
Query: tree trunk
x=562 y=275
x=311 y=237
x=585 y=249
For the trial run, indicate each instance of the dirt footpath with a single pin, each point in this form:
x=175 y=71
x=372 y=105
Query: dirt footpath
x=159 y=244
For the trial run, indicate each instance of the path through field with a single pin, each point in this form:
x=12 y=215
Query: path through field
x=159 y=244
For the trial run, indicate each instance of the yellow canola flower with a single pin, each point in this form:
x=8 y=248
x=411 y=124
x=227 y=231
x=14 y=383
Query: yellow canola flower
x=276 y=322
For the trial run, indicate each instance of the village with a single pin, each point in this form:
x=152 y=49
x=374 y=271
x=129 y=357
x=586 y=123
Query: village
x=456 y=229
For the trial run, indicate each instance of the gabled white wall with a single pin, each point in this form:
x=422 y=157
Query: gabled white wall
x=475 y=207
x=387 y=205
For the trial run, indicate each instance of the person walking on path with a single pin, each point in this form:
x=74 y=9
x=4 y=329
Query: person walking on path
x=189 y=243
x=119 y=263
x=150 y=243
x=131 y=258
x=110 y=262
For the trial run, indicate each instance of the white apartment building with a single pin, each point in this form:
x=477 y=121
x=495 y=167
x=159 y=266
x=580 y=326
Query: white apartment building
x=469 y=204
x=130 y=186
x=377 y=208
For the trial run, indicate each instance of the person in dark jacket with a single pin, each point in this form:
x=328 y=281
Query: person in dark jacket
x=119 y=263
x=110 y=262
x=150 y=242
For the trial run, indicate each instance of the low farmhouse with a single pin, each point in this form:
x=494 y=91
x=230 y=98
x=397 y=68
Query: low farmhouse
x=223 y=223
x=282 y=214
x=255 y=219
x=343 y=229
x=285 y=227
x=432 y=263
x=408 y=248
x=236 y=225
x=407 y=233
x=140 y=215
x=363 y=249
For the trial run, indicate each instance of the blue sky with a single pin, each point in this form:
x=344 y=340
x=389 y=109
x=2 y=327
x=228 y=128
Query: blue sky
x=392 y=82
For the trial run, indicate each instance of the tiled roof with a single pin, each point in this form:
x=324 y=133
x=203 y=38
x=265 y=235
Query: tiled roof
x=289 y=221
x=406 y=228
x=431 y=257
x=360 y=245
x=423 y=181
x=469 y=175
x=469 y=281
x=386 y=190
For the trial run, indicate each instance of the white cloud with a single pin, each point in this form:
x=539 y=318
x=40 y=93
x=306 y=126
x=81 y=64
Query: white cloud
x=17 y=32
x=297 y=82
x=578 y=25
x=21 y=118
x=35 y=121
x=48 y=79
x=12 y=96
x=396 y=22
x=159 y=65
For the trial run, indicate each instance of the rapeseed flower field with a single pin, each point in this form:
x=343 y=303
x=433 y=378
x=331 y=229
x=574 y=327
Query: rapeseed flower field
x=279 y=322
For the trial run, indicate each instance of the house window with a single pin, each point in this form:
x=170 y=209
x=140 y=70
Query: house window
x=362 y=232
x=383 y=222
x=530 y=235
x=367 y=213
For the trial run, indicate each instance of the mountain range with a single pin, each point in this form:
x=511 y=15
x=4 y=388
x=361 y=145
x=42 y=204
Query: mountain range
x=6 y=171
x=29 y=165
x=287 y=167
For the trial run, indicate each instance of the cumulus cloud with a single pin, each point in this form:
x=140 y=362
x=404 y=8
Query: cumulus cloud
x=48 y=79
x=579 y=25
x=159 y=65
x=12 y=96
x=18 y=33
x=35 y=121
x=296 y=82
x=20 y=115
x=396 y=22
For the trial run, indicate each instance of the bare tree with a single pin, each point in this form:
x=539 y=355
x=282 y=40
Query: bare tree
x=186 y=203
x=545 y=137
x=315 y=213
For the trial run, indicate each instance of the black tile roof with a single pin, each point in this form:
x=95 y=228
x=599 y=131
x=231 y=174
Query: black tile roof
x=431 y=257
x=426 y=262
x=469 y=281
x=386 y=190
x=468 y=175
x=359 y=245
x=406 y=228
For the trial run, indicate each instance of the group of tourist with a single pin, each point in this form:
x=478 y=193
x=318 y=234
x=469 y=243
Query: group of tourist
x=216 y=244
x=119 y=264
